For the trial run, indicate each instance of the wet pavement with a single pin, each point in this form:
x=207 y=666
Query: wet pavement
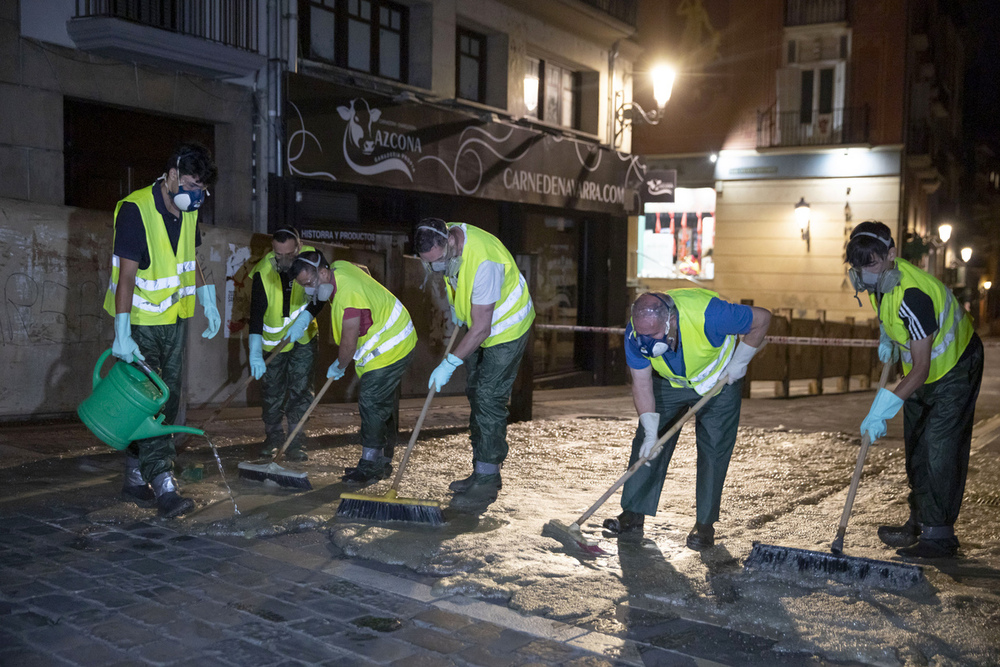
x=86 y=578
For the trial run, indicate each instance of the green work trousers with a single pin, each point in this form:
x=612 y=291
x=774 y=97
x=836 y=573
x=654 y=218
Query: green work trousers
x=162 y=345
x=378 y=405
x=490 y=376
x=937 y=427
x=715 y=435
x=286 y=392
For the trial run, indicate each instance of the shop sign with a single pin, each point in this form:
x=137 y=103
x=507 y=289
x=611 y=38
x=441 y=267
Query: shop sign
x=352 y=136
x=658 y=185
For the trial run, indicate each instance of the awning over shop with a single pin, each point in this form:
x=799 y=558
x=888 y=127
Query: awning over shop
x=353 y=136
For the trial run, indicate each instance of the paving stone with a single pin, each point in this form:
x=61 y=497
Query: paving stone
x=8 y=523
x=317 y=627
x=39 y=529
x=56 y=638
x=589 y=661
x=205 y=660
x=92 y=652
x=149 y=613
x=511 y=640
x=442 y=619
x=26 y=621
x=215 y=613
x=480 y=632
x=431 y=640
x=306 y=649
x=272 y=610
x=547 y=650
x=192 y=632
x=162 y=651
x=147 y=566
x=483 y=656
x=221 y=552
x=123 y=632
x=57 y=606
x=109 y=597
x=239 y=652
x=173 y=597
x=655 y=657
x=382 y=650
x=72 y=582
x=6 y=608
x=114 y=537
x=333 y=607
x=120 y=556
x=26 y=657
x=28 y=590
x=261 y=632
x=198 y=564
x=426 y=660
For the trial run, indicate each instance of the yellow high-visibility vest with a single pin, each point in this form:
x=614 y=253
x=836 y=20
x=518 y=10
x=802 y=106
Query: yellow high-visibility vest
x=165 y=290
x=276 y=325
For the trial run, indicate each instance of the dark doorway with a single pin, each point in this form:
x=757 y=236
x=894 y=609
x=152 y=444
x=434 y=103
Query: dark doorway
x=112 y=151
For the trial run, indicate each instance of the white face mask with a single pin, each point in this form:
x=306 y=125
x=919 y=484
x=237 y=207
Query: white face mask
x=324 y=292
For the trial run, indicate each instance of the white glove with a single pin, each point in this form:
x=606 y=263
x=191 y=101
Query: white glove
x=650 y=425
x=737 y=366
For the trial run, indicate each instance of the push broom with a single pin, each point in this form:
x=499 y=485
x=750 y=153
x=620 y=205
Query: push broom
x=390 y=507
x=264 y=472
x=571 y=535
x=835 y=565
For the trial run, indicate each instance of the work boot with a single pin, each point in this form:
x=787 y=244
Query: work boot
x=478 y=468
x=701 y=537
x=135 y=489
x=367 y=472
x=273 y=441
x=296 y=454
x=624 y=523
x=481 y=489
x=900 y=536
x=168 y=501
x=934 y=542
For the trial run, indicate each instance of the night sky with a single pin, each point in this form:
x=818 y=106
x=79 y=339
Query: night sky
x=982 y=93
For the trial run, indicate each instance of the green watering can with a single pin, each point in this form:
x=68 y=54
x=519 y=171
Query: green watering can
x=124 y=403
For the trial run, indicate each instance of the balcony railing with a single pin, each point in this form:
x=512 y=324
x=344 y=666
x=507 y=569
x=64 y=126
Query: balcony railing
x=797 y=128
x=807 y=12
x=625 y=11
x=228 y=22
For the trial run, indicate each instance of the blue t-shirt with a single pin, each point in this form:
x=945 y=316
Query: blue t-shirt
x=721 y=319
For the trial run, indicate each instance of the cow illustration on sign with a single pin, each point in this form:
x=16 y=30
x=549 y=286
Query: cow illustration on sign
x=360 y=145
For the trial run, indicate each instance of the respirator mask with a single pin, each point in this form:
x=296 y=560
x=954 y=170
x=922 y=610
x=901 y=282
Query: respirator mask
x=187 y=200
x=873 y=283
x=448 y=263
x=655 y=347
x=317 y=292
x=283 y=262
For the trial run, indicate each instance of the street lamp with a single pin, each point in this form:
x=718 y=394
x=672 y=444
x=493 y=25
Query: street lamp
x=663 y=77
x=944 y=232
x=803 y=215
x=966 y=254
x=987 y=285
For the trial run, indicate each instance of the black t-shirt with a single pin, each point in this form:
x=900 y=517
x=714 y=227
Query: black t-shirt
x=130 y=234
x=917 y=312
x=258 y=301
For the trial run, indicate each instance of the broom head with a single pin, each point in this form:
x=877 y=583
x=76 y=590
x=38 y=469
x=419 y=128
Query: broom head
x=844 y=569
x=572 y=537
x=390 y=508
x=272 y=472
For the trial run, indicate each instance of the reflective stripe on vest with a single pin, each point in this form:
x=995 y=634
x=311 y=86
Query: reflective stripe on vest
x=397 y=310
x=949 y=336
x=273 y=335
x=386 y=346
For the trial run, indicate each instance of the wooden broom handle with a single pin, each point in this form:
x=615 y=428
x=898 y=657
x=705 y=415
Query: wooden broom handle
x=420 y=420
x=243 y=384
x=862 y=454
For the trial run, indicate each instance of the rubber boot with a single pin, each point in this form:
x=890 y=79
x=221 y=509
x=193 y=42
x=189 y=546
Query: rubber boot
x=934 y=542
x=168 y=501
x=135 y=489
x=900 y=536
x=701 y=537
x=626 y=522
x=478 y=470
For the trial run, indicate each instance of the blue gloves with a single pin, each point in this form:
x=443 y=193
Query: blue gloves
x=885 y=406
x=299 y=326
x=335 y=371
x=125 y=346
x=442 y=373
x=887 y=350
x=257 y=365
x=206 y=297
x=454 y=316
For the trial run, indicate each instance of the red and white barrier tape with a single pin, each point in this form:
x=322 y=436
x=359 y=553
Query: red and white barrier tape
x=774 y=340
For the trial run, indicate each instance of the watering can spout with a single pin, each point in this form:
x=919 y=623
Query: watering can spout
x=154 y=428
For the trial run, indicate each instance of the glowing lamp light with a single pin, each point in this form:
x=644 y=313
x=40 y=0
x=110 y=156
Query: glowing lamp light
x=987 y=284
x=713 y=158
x=944 y=231
x=663 y=84
x=531 y=92
x=966 y=254
x=802 y=214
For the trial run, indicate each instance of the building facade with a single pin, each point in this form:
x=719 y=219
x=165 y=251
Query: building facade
x=792 y=121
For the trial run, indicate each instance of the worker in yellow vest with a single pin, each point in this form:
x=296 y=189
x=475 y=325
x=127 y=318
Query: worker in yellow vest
x=155 y=280
x=678 y=346
x=922 y=322
x=487 y=292
x=279 y=307
x=373 y=329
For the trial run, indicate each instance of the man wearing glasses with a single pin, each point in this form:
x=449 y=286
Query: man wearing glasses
x=155 y=280
x=280 y=308
x=688 y=337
